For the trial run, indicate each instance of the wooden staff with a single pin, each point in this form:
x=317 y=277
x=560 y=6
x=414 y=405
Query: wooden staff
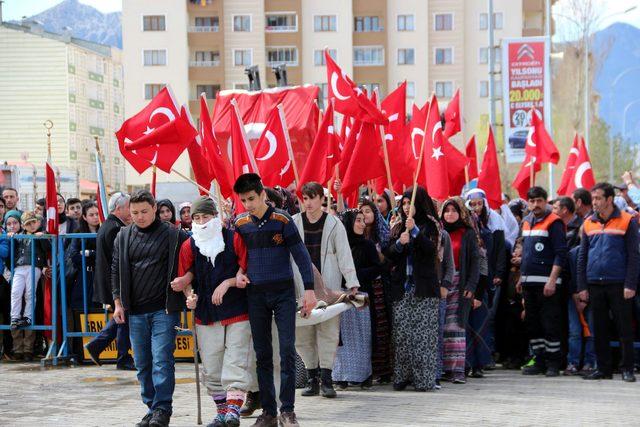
x=216 y=186
x=532 y=173
x=466 y=174
x=186 y=178
x=154 y=176
x=419 y=166
x=387 y=164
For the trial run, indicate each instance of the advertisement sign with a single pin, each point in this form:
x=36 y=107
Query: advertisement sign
x=96 y=322
x=525 y=86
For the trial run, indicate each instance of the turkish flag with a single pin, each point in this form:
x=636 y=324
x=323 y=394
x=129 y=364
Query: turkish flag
x=394 y=108
x=348 y=147
x=350 y=100
x=271 y=154
x=522 y=181
x=325 y=153
x=198 y=157
x=218 y=162
x=414 y=136
x=242 y=160
x=51 y=200
x=489 y=178
x=539 y=144
x=435 y=158
x=452 y=116
x=472 y=154
x=156 y=135
x=567 y=174
x=456 y=164
x=582 y=176
x=366 y=161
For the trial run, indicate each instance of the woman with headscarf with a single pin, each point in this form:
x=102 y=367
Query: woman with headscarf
x=167 y=212
x=458 y=223
x=386 y=208
x=377 y=228
x=416 y=254
x=480 y=334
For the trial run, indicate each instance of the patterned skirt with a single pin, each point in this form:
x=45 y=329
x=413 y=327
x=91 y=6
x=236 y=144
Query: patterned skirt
x=454 y=350
x=415 y=339
x=380 y=331
x=353 y=357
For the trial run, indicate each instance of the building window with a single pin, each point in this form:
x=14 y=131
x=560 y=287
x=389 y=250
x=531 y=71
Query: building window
x=319 y=59
x=152 y=89
x=444 y=55
x=153 y=23
x=323 y=94
x=405 y=23
x=242 y=57
x=370 y=88
x=483 y=55
x=281 y=22
x=242 y=23
x=207 y=58
x=209 y=90
x=406 y=56
x=368 y=56
x=444 y=89
x=411 y=89
x=483 y=89
x=366 y=24
x=282 y=55
x=497 y=21
x=241 y=86
x=324 y=23
x=443 y=21
x=206 y=24
x=155 y=57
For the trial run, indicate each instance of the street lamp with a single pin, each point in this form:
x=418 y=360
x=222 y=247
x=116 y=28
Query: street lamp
x=613 y=84
x=624 y=117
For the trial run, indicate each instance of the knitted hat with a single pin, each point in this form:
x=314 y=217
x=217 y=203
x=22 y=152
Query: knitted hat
x=203 y=205
x=183 y=205
x=28 y=216
x=12 y=214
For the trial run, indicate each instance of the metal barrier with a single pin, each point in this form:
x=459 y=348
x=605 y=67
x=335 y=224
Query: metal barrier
x=51 y=356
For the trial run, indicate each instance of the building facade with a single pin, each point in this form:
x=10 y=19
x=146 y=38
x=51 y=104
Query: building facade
x=205 y=45
x=76 y=84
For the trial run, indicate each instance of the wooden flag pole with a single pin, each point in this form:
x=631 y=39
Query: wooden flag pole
x=216 y=186
x=186 y=178
x=466 y=174
x=420 y=159
x=532 y=178
x=385 y=152
x=154 y=176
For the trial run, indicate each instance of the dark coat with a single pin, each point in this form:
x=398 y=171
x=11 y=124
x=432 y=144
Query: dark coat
x=104 y=254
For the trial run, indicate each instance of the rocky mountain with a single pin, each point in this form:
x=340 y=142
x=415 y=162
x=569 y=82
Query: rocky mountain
x=85 y=22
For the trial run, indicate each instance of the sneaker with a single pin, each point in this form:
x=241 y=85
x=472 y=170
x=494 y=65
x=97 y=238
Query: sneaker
x=628 y=376
x=160 y=418
x=15 y=324
x=266 y=420
x=25 y=322
x=341 y=385
x=587 y=369
x=477 y=373
x=533 y=370
x=93 y=355
x=231 y=420
x=552 y=372
x=400 y=385
x=251 y=404
x=218 y=421
x=437 y=386
x=571 y=370
x=128 y=366
x=144 y=422
x=597 y=375
x=288 y=419
x=459 y=380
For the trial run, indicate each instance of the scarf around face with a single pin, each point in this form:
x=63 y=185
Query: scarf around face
x=208 y=238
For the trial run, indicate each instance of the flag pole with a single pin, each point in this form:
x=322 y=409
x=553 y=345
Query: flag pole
x=186 y=178
x=216 y=186
x=466 y=174
x=532 y=178
x=154 y=175
x=385 y=152
x=48 y=125
x=420 y=159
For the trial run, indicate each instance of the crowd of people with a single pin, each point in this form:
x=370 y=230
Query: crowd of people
x=442 y=290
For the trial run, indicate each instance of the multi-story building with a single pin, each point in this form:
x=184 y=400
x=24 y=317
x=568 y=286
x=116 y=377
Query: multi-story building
x=205 y=45
x=76 y=84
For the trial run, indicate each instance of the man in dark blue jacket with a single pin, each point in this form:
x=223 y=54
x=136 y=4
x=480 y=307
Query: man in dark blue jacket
x=544 y=249
x=607 y=277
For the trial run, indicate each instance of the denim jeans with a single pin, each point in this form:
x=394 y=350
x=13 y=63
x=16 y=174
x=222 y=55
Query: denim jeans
x=153 y=337
x=111 y=331
x=263 y=306
x=575 y=337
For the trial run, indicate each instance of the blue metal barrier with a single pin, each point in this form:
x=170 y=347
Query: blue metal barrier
x=13 y=240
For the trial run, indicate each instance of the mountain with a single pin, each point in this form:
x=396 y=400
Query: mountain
x=86 y=22
x=617 y=80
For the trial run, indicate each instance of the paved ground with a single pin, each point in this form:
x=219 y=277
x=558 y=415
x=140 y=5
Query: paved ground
x=91 y=396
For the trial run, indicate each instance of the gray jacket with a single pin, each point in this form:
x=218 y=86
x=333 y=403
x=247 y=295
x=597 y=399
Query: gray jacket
x=447 y=266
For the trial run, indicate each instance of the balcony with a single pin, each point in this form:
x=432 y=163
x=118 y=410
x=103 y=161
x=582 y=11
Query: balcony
x=281 y=28
x=215 y=63
x=204 y=28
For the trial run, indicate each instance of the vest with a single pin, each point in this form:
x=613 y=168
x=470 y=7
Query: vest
x=607 y=257
x=537 y=250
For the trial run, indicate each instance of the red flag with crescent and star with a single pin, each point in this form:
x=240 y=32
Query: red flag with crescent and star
x=271 y=154
x=452 y=116
x=435 y=158
x=582 y=176
x=489 y=177
x=570 y=167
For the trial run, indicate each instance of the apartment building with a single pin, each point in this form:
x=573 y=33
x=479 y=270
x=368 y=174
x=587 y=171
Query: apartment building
x=205 y=45
x=76 y=84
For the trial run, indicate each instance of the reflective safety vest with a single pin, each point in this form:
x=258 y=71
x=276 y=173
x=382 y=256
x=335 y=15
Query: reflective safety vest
x=538 y=252
x=607 y=257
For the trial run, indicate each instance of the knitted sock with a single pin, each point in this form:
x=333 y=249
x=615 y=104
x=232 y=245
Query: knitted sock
x=235 y=399
x=221 y=406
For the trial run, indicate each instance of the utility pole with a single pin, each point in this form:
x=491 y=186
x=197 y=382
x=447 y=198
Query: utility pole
x=492 y=63
x=547 y=72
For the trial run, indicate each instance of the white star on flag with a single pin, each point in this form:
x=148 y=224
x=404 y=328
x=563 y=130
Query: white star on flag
x=148 y=131
x=437 y=153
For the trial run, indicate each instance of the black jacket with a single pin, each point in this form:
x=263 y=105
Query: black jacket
x=104 y=254
x=469 y=269
x=121 y=282
x=425 y=275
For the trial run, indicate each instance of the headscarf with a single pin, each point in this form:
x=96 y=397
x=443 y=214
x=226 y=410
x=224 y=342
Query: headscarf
x=512 y=228
x=425 y=214
x=356 y=241
x=488 y=218
x=289 y=200
x=167 y=203
x=380 y=227
x=386 y=195
x=464 y=218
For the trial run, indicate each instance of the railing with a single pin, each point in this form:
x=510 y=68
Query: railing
x=281 y=28
x=215 y=63
x=204 y=28
x=287 y=63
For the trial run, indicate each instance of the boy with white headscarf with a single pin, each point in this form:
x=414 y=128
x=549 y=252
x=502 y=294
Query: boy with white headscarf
x=208 y=262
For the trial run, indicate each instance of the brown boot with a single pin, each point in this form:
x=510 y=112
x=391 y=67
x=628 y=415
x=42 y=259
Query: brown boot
x=266 y=420
x=288 y=419
x=251 y=404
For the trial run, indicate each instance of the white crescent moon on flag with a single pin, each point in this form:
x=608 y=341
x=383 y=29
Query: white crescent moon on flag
x=330 y=130
x=285 y=168
x=334 y=87
x=164 y=111
x=435 y=129
x=530 y=142
x=414 y=132
x=254 y=130
x=273 y=146
x=574 y=151
x=388 y=137
x=580 y=170
x=393 y=117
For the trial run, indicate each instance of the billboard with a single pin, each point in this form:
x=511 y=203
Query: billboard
x=525 y=85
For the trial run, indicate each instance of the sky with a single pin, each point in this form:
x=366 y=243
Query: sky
x=16 y=9
x=613 y=11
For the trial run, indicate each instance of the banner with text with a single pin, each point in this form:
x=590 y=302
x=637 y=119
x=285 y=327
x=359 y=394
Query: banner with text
x=525 y=84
